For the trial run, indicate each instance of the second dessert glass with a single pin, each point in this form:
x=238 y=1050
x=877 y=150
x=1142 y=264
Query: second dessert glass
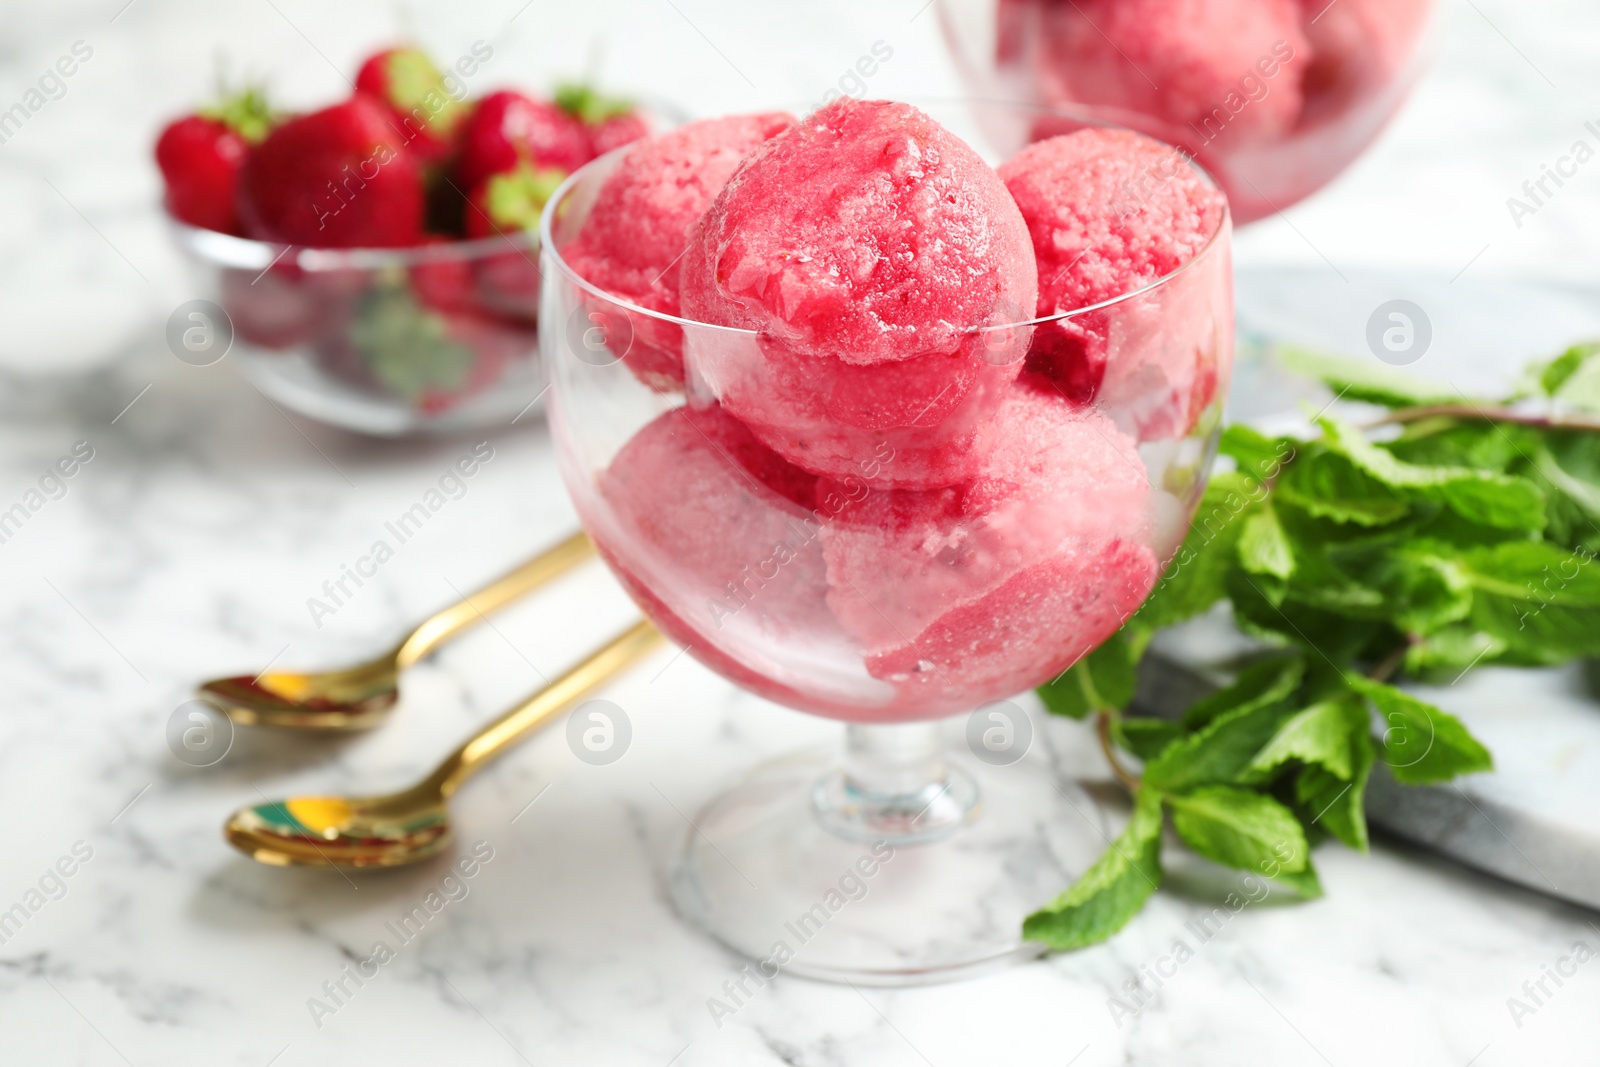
x=1275 y=99
x=912 y=615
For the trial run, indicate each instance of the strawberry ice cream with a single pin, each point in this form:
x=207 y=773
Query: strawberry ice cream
x=1181 y=60
x=864 y=246
x=636 y=233
x=877 y=502
x=1111 y=211
x=706 y=519
x=996 y=585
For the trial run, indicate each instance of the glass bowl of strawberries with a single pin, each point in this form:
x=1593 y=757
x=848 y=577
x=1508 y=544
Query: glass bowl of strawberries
x=377 y=259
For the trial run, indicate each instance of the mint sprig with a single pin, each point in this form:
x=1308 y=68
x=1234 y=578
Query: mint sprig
x=1451 y=532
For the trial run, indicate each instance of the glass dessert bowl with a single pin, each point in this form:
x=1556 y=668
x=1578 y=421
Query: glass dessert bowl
x=1274 y=97
x=884 y=524
x=441 y=336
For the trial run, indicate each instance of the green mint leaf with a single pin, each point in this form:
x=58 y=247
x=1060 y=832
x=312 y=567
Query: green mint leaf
x=1320 y=734
x=1331 y=634
x=1112 y=890
x=1101 y=681
x=1321 y=583
x=1257 y=686
x=1424 y=587
x=1564 y=366
x=1257 y=454
x=1306 y=883
x=1328 y=486
x=1241 y=828
x=1196 y=578
x=1448 y=442
x=1219 y=752
x=1542 y=600
x=1071 y=693
x=1145 y=736
x=1453 y=649
x=1484 y=497
x=1366 y=381
x=1422 y=744
x=1333 y=803
x=1263 y=545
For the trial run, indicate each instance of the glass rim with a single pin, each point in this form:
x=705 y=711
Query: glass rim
x=548 y=249
x=247 y=253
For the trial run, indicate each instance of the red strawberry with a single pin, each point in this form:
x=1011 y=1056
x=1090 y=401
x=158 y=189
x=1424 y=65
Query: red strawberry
x=200 y=157
x=413 y=90
x=444 y=284
x=610 y=121
x=617 y=131
x=336 y=178
x=512 y=201
x=508 y=285
x=508 y=128
x=285 y=306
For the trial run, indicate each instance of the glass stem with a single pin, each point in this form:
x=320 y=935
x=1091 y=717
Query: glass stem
x=899 y=760
x=894 y=784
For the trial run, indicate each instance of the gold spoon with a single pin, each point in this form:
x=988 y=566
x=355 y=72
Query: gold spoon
x=359 y=697
x=401 y=828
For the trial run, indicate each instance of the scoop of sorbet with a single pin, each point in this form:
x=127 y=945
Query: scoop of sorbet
x=1208 y=68
x=1109 y=212
x=868 y=248
x=636 y=232
x=993 y=587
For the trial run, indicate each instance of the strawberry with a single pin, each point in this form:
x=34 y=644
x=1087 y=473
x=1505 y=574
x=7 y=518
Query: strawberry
x=413 y=91
x=336 y=178
x=617 y=131
x=285 y=306
x=508 y=128
x=200 y=157
x=511 y=201
x=610 y=121
x=444 y=285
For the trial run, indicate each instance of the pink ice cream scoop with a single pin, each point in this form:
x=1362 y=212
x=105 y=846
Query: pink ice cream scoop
x=636 y=233
x=997 y=585
x=868 y=248
x=1109 y=212
x=1357 y=48
x=717 y=538
x=1207 y=68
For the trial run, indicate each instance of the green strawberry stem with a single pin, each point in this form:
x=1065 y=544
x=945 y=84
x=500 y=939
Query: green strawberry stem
x=585 y=103
x=245 y=112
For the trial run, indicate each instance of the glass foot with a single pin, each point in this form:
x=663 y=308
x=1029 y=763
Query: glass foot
x=900 y=865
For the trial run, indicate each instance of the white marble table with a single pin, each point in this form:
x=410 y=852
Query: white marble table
x=205 y=519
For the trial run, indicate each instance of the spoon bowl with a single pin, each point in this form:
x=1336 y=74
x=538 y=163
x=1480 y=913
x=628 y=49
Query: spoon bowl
x=383 y=831
x=360 y=697
x=355 y=698
x=409 y=826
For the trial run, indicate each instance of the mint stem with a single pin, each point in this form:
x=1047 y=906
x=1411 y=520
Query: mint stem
x=1102 y=729
x=1486 y=414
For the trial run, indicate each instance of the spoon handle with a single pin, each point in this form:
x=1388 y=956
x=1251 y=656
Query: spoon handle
x=475 y=607
x=624 y=650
